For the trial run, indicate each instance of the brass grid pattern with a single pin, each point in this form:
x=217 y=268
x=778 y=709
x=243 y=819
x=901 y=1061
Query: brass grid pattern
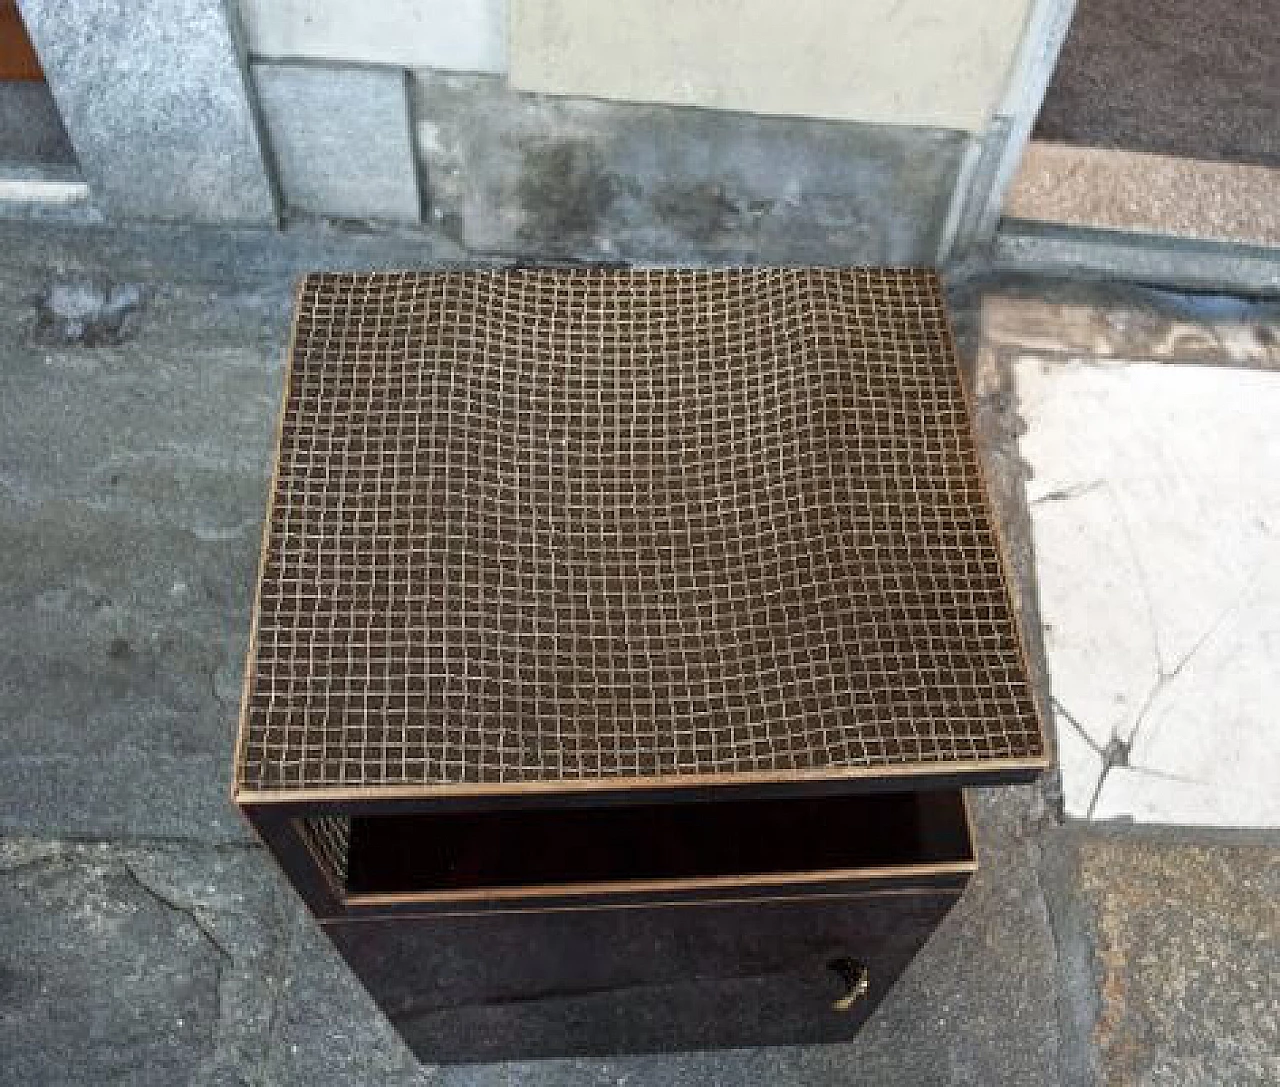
x=553 y=525
x=328 y=837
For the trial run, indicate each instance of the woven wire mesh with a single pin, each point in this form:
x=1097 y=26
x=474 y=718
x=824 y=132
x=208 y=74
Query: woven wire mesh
x=545 y=525
x=328 y=837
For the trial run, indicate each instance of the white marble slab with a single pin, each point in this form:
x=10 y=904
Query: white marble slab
x=1155 y=505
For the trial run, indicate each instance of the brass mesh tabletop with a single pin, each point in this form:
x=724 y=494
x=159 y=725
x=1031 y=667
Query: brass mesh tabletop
x=558 y=528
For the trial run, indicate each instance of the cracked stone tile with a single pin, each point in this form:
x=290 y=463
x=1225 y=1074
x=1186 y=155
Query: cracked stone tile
x=1080 y=760
x=1155 y=499
x=136 y=964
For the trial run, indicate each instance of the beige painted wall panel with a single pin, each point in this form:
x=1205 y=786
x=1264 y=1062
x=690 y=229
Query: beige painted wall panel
x=917 y=62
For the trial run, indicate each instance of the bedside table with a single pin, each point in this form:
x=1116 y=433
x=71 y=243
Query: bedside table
x=623 y=642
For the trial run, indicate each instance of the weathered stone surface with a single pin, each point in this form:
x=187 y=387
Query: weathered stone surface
x=1187 y=956
x=537 y=176
x=1128 y=322
x=31 y=133
x=129 y=548
x=340 y=137
x=153 y=97
x=136 y=965
x=457 y=35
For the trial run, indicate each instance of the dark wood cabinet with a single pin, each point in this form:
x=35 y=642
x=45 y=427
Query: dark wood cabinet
x=623 y=644
x=499 y=933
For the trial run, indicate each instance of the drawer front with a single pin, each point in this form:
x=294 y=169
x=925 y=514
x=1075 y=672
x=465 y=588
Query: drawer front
x=637 y=980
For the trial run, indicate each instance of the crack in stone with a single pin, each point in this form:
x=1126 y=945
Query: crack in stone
x=222 y=958
x=1164 y=679
x=1065 y=494
x=1141 y=573
x=213 y=686
x=1052 y=922
x=1118 y=749
x=145 y=841
x=1075 y=724
x=1116 y=753
x=1163 y=775
x=188 y=912
x=34 y=862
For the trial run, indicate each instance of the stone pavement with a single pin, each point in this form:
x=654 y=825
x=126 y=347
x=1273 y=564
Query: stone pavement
x=145 y=938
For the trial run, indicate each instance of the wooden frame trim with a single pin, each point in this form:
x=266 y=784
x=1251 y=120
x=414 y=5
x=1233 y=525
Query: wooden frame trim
x=695 y=885
x=251 y=654
x=914 y=890
x=913 y=775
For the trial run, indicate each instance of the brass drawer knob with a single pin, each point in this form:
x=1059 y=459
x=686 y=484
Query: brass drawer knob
x=857 y=982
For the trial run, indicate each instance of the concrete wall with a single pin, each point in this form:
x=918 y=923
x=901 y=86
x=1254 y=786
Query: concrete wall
x=816 y=131
x=535 y=175
x=940 y=63
x=793 y=153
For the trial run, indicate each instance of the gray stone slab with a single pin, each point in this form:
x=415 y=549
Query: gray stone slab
x=340 y=137
x=268 y=259
x=1079 y=253
x=137 y=965
x=31 y=133
x=328 y=1030
x=538 y=176
x=1182 y=942
x=460 y=35
x=135 y=432
x=153 y=96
